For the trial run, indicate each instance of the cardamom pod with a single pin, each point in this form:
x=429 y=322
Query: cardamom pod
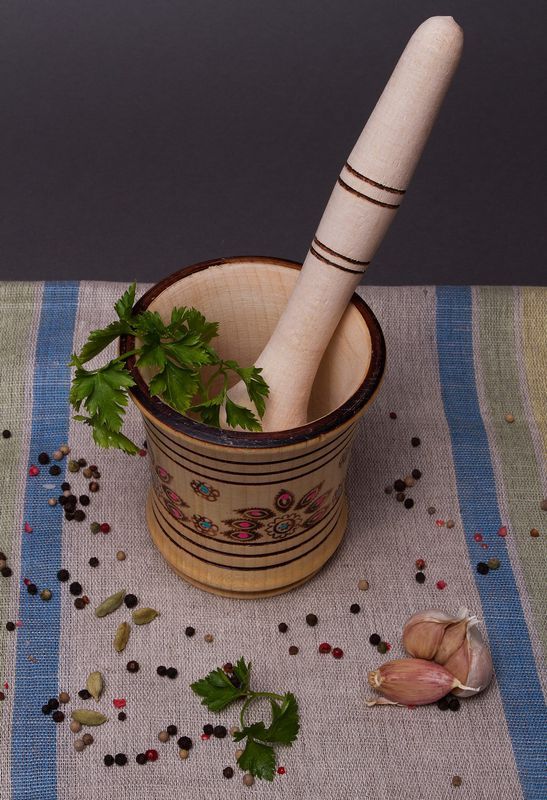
x=85 y=717
x=122 y=636
x=110 y=604
x=95 y=684
x=142 y=616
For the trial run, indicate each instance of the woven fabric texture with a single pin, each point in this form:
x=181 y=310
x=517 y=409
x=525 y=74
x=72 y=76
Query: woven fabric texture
x=459 y=360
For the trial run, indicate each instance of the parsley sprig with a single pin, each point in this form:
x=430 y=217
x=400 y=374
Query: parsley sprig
x=176 y=351
x=218 y=691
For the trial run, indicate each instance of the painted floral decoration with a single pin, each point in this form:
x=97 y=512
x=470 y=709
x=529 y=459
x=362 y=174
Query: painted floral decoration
x=204 y=490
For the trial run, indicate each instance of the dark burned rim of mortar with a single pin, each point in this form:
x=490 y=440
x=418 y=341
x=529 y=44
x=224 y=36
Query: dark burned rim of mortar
x=251 y=439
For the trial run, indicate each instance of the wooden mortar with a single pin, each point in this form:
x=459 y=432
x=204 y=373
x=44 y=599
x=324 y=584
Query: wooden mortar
x=254 y=514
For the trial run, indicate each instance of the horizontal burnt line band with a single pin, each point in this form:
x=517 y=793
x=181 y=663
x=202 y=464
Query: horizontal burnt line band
x=336 y=450
x=314 y=252
x=349 y=188
x=371 y=182
x=305 y=454
x=257 y=568
x=224 y=482
x=339 y=255
x=249 y=544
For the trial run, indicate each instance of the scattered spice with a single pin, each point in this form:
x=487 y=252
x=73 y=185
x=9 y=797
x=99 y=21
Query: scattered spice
x=132 y=666
x=189 y=631
x=64 y=697
x=152 y=755
x=311 y=619
x=325 y=647
x=282 y=627
x=420 y=577
x=456 y=781
x=420 y=563
x=409 y=502
x=248 y=779
x=46 y=594
x=208 y=638
x=502 y=531
x=543 y=505
x=140 y=758
x=441 y=585
x=415 y=441
x=363 y=585
x=143 y=616
x=375 y=639
x=120 y=759
x=337 y=652
x=75 y=726
x=534 y=533
x=111 y=604
x=416 y=474
x=228 y=772
x=120 y=555
x=493 y=563
x=482 y=568
x=450 y=523
x=509 y=418
x=172 y=673
x=293 y=650
x=185 y=743
x=355 y=608
x=431 y=510
x=93 y=561
x=382 y=647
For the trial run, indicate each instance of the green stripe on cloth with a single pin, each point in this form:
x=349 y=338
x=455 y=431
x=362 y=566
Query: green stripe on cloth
x=534 y=334
x=18 y=302
x=513 y=441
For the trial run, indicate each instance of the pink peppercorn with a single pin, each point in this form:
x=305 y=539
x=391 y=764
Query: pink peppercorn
x=281 y=770
x=337 y=652
x=28 y=527
x=151 y=755
x=439 y=523
x=325 y=647
x=205 y=737
x=440 y=585
x=105 y=527
x=478 y=537
x=420 y=563
x=34 y=471
x=143 y=452
x=502 y=531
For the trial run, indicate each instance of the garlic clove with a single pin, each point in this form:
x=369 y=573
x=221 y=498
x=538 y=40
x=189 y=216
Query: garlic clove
x=414 y=681
x=424 y=632
x=480 y=669
x=458 y=663
x=454 y=636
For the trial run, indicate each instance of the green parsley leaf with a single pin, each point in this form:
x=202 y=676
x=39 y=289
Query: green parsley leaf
x=124 y=306
x=103 y=393
x=108 y=438
x=209 y=410
x=196 y=322
x=258 y=759
x=237 y=415
x=188 y=354
x=242 y=671
x=176 y=385
x=152 y=355
x=98 y=340
x=149 y=323
x=217 y=690
x=283 y=728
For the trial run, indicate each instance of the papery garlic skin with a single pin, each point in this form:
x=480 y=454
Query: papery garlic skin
x=413 y=682
x=424 y=632
x=454 y=637
x=479 y=662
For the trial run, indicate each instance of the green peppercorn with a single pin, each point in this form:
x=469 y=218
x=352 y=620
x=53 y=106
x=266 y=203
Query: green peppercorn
x=494 y=563
x=46 y=594
x=382 y=648
x=95 y=527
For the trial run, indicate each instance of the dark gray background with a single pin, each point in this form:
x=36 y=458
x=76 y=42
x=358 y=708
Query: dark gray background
x=138 y=137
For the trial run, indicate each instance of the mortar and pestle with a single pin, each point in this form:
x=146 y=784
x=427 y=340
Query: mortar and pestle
x=255 y=514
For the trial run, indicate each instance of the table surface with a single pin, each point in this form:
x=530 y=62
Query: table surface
x=459 y=360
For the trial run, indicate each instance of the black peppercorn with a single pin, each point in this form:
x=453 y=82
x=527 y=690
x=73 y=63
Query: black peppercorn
x=190 y=631
x=108 y=761
x=63 y=575
x=185 y=743
x=409 y=502
x=420 y=577
x=293 y=650
x=6 y=572
x=416 y=474
x=133 y=666
x=84 y=694
x=62 y=500
x=65 y=486
x=130 y=600
x=58 y=716
x=53 y=703
x=172 y=672
x=208 y=729
x=75 y=588
x=32 y=588
x=122 y=716
x=46 y=709
x=482 y=568
x=120 y=759
x=355 y=608
x=399 y=485
x=228 y=772
x=282 y=627
x=374 y=639
x=140 y=758
x=43 y=458
x=6 y=434
x=219 y=731
x=93 y=561
x=84 y=500
x=69 y=515
x=79 y=515
x=171 y=730
x=311 y=619
x=415 y=441
x=161 y=670
x=55 y=470
x=454 y=704
x=400 y=496
x=82 y=462
x=10 y=626
x=79 y=603
x=442 y=704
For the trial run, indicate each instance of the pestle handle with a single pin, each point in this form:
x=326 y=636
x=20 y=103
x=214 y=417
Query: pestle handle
x=363 y=204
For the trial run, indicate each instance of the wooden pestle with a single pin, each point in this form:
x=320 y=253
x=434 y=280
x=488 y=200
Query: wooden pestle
x=362 y=206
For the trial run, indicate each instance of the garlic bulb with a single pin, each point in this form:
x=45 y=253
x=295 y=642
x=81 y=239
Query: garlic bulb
x=431 y=632
x=413 y=682
x=471 y=663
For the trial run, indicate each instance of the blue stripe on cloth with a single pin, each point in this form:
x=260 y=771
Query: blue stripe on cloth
x=34 y=740
x=515 y=667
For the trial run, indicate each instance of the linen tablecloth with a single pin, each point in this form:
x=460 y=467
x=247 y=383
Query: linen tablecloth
x=459 y=360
